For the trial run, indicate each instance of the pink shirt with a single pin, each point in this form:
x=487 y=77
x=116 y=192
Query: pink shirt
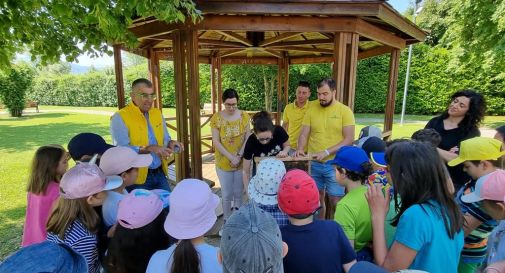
x=37 y=212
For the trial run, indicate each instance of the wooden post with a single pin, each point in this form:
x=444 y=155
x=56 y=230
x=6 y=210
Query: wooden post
x=153 y=63
x=394 y=64
x=118 y=69
x=194 y=103
x=182 y=160
x=219 y=85
x=286 y=79
x=280 y=67
x=350 y=71
x=339 y=64
x=213 y=86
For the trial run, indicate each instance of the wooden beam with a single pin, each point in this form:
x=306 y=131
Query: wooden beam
x=305 y=49
x=118 y=71
x=182 y=159
x=220 y=43
x=351 y=68
x=377 y=34
x=230 y=52
x=393 y=18
x=286 y=78
x=299 y=43
x=272 y=52
x=213 y=85
x=194 y=103
x=311 y=59
x=219 y=85
x=341 y=8
x=376 y=51
x=280 y=68
x=253 y=60
x=154 y=28
x=394 y=64
x=225 y=23
x=278 y=38
x=236 y=37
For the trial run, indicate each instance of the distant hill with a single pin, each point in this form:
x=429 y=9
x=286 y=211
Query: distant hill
x=80 y=69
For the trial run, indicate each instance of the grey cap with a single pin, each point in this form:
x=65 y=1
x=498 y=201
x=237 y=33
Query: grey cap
x=251 y=242
x=370 y=131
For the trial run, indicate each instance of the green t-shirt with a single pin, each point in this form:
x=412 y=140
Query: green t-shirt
x=353 y=214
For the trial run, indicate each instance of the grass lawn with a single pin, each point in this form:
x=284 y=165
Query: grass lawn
x=22 y=136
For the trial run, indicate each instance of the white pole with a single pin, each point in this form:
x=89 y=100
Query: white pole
x=406 y=87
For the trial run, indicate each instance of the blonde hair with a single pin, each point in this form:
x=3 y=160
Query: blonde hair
x=66 y=211
x=44 y=166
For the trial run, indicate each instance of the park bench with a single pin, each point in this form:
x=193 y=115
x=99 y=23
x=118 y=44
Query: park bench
x=32 y=104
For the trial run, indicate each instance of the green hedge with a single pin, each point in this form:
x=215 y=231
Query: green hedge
x=432 y=81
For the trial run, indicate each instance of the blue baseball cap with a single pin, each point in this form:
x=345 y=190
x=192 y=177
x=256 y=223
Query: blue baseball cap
x=87 y=144
x=378 y=158
x=350 y=158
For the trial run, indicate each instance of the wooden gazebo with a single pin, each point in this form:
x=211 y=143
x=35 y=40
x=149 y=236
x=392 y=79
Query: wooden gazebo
x=267 y=32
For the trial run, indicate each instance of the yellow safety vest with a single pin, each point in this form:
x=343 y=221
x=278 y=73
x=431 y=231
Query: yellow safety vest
x=138 y=132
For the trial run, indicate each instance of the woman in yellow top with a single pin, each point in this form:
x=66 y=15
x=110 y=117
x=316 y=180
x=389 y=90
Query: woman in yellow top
x=230 y=129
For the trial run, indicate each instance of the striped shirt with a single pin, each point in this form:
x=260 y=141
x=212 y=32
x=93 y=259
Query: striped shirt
x=80 y=239
x=280 y=217
x=475 y=248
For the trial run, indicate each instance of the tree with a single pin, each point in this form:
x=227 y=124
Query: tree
x=14 y=83
x=50 y=29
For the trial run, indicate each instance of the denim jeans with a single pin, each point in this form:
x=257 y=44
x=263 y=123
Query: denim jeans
x=156 y=180
x=324 y=175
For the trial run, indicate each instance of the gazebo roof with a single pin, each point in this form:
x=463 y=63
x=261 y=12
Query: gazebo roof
x=262 y=31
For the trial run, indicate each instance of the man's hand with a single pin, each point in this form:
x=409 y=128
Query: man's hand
x=174 y=143
x=320 y=155
x=162 y=152
x=300 y=153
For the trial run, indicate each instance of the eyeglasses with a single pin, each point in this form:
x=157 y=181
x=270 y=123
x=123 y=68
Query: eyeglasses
x=264 y=139
x=145 y=96
x=231 y=105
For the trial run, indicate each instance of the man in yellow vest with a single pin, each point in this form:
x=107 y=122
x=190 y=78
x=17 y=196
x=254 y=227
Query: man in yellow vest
x=294 y=112
x=142 y=127
x=326 y=127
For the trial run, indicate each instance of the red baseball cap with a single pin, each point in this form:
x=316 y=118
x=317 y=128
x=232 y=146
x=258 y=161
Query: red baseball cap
x=298 y=193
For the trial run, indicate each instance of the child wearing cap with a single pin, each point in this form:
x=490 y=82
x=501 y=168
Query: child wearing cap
x=352 y=169
x=479 y=156
x=264 y=185
x=316 y=246
x=73 y=220
x=490 y=192
x=429 y=224
x=251 y=242
x=139 y=233
x=192 y=214
x=124 y=162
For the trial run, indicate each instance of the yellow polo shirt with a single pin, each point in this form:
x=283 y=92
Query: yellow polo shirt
x=326 y=124
x=294 y=116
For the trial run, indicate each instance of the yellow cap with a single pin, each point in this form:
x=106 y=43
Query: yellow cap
x=478 y=148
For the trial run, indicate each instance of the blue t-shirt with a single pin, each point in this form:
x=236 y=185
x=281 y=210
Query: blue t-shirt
x=110 y=207
x=421 y=228
x=318 y=247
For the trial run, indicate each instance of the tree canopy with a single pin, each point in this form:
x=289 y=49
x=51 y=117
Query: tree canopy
x=49 y=29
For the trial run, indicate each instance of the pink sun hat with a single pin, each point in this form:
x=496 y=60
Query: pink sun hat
x=86 y=179
x=119 y=159
x=139 y=208
x=192 y=210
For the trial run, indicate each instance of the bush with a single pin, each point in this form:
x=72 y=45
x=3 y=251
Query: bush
x=13 y=86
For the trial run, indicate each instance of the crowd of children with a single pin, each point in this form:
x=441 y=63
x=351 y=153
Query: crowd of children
x=400 y=211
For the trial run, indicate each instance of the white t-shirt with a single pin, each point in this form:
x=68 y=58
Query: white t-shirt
x=110 y=207
x=161 y=261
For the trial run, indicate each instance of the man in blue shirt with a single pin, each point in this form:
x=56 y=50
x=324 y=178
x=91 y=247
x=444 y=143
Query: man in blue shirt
x=142 y=128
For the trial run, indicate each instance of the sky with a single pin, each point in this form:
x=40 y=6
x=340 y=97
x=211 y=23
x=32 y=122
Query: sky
x=399 y=5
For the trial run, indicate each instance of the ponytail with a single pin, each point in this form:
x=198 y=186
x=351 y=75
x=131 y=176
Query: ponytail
x=186 y=259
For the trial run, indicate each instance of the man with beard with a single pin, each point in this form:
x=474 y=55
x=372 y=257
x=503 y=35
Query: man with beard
x=142 y=127
x=326 y=127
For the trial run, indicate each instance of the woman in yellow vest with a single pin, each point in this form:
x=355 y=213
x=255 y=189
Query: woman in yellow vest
x=230 y=129
x=142 y=127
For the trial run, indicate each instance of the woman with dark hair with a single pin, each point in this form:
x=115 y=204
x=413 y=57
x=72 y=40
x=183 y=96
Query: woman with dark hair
x=459 y=122
x=267 y=140
x=429 y=234
x=138 y=234
x=230 y=129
